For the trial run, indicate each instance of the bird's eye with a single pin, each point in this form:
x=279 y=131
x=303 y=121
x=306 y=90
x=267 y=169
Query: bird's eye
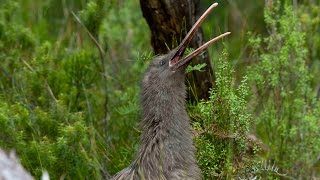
x=162 y=62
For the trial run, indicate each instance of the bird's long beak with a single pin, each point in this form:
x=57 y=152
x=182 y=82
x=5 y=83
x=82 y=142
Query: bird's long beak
x=178 y=60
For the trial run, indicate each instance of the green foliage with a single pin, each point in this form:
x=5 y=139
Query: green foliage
x=197 y=67
x=286 y=108
x=66 y=110
x=55 y=110
x=47 y=140
x=93 y=16
x=222 y=124
x=310 y=24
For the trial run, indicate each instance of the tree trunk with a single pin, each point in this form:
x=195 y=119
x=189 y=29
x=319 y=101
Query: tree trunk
x=169 y=22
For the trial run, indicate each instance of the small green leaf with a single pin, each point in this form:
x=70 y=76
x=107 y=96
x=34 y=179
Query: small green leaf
x=198 y=67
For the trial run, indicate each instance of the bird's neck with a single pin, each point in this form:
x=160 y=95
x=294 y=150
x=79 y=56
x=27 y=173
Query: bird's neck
x=166 y=138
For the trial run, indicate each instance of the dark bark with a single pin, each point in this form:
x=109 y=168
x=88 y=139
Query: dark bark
x=169 y=21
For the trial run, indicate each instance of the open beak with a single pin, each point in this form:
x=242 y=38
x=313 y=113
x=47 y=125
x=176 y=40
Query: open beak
x=178 y=60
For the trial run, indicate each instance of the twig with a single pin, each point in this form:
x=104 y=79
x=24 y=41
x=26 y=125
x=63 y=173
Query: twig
x=50 y=90
x=103 y=62
x=95 y=41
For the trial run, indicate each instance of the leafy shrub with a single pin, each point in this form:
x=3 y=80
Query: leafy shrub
x=60 y=145
x=66 y=110
x=286 y=108
x=221 y=126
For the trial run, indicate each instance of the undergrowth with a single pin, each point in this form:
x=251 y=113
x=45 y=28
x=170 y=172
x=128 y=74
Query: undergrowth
x=72 y=108
x=222 y=124
x=283 y=101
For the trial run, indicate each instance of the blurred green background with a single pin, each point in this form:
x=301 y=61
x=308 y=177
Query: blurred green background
x=72 y=108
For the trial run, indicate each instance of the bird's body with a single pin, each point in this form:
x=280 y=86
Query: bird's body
x=167 y=151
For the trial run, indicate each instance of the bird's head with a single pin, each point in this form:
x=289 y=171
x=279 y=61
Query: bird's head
x=170 y=67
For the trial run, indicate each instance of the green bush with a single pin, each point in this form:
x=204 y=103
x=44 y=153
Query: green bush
x=66 y=109
x=285 y=106
x=222 y=125
x=62 y=146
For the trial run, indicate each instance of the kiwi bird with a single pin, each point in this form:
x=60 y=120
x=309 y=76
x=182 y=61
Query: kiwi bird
x=167 y=151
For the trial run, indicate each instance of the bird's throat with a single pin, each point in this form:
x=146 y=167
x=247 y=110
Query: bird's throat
x=166 y=140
